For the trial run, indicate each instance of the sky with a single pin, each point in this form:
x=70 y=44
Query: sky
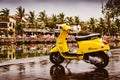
x=82 y=8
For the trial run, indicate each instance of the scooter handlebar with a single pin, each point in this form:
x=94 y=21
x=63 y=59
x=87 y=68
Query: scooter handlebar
x=66 y=27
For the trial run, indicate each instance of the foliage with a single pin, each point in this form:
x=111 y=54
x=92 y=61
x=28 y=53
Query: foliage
x=61 y=18
x=92 y=24
x=77 y=20
x=43 y=16
x=82 y=33
x=69 y=20
x=50 y=25
x=19 y=29
x=5 y=12
x=31 y=17
x=10 y=32
x=110 y=24
x=20 y=12
x=112 y=8
x=54 y=19
x=19 y=26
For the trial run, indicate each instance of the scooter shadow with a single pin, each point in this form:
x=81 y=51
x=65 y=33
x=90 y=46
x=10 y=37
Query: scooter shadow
x=57 y=72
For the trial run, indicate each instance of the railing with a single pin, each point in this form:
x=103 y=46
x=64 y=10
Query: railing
x=3 y=26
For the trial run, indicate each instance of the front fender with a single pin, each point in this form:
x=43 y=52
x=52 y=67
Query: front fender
x=55 y=49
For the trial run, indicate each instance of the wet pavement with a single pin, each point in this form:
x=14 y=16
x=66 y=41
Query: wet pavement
x=40 y=68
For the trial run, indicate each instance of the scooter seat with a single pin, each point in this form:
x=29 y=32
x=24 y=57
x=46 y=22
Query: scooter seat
x=87 y=37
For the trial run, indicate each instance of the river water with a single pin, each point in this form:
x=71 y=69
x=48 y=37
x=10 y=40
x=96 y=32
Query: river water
x=12 y=51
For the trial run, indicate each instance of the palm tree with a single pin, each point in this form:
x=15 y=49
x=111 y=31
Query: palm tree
x=77 y=20
x=43 y=16
x=54 y=19
x=51 y=22
x=102 y=26
x=92 y=24
x=20 y=12
x=61 y=17
x=69 y=20
x=84 y=26
x=31 y=17
x=117 y=22
x=19 y=26
x=4 y=13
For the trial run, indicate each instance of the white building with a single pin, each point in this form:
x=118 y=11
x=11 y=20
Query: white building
x=7 y=25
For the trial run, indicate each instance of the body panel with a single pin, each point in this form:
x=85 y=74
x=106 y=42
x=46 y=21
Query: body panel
x=84 y=46
x=55 y=49
x=94 y=45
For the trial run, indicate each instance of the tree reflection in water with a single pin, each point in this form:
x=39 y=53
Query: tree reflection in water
x=12 y=51
x=114 y=44
x=57 y=72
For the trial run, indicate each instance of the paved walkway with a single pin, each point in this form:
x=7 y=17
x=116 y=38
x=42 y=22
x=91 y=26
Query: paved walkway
x=40 y=68
x=41 y=59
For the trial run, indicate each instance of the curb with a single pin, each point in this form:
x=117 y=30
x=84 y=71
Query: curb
x=42 y=59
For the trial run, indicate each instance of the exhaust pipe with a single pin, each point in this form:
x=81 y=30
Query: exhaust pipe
x=95 y=60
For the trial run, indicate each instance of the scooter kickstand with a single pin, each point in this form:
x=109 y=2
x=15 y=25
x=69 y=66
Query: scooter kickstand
x=68 y=63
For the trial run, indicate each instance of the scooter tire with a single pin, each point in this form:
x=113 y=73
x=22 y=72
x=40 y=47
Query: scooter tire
x=105 y=59
x=56 y=58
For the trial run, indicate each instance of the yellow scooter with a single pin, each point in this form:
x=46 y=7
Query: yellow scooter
x=91 y=48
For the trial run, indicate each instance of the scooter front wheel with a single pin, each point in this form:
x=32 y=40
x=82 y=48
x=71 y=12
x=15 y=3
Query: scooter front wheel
x=56 y=58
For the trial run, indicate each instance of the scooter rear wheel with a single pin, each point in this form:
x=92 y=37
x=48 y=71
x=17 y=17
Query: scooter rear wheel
x=104 y=60
x=56 y=58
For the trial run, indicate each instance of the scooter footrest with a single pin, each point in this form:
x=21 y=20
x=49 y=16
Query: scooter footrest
x=71 y=54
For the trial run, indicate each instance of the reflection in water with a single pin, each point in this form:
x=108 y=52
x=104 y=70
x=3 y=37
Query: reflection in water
x=57 y=72
x=23 y=51
x=12 y=51
x=21 y=67
x=4 y=68
x=25 y=71
x=114 y=44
